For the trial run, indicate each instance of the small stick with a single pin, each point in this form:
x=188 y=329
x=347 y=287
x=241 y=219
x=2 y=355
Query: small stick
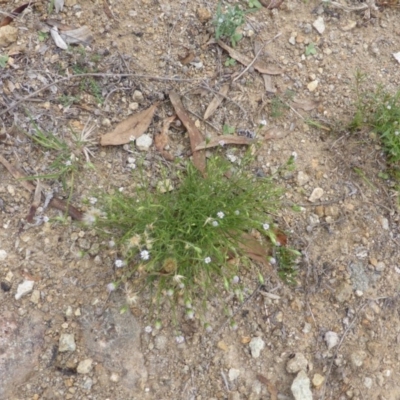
x=33 y=94
x=256 y=56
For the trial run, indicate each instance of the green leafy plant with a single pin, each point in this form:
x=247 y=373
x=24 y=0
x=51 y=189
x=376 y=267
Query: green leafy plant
x=230 y=62
x=228 y=130
x=226 y=23
x=254 y=4
x=380 y=111
x=311 y=50
x=3 y=61
x=42 y=36
x=183 y=242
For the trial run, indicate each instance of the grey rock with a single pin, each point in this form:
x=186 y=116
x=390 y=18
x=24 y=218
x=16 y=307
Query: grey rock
x=256 y=345
x=297 y=363
x=331 y=339
x=302 y=178
x=319 y=25
x=66 y=342
x=357 y=358
x=24 y=288
x=301 y=387
x=85 y=366
x=316 y=195
x=343 y=292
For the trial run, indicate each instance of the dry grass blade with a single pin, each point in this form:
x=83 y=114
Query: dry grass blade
x=223 y=140
x=161 y=139
x=55 y=203
x=258 y=65
x=79 y=35
x=36 y=202
x=195 y=136
x=306 y=105
x=216 y=101
x=129 y=129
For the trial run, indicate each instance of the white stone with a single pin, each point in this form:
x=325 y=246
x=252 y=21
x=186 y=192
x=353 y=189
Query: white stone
x=24 y=288
x=144 y=142
x=301 y=387
x=331 y=339
x=85 y=366
x=138 y=96
x=256 y=345
x=368 y=382
x=3 y=255
x=233 y=374
x=312 y=85
x=319 y=25
x=316 y=194
x=66 y=342
x=302 y=178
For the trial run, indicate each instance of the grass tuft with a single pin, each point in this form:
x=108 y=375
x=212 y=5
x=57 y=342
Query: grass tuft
x=185 y=242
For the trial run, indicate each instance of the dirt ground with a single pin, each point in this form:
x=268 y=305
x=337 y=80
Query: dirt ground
x=335 y=333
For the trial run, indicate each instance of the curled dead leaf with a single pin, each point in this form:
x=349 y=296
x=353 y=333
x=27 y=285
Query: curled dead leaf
x=129 y=129
x=223 y=140
x=216 y=101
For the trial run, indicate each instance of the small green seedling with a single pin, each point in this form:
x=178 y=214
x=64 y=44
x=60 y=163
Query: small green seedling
x=254 y=4
x=227 y=23
x=42 y=36
x=230 y=62
x=311 y=50
x=3 y=61
x=228 y=130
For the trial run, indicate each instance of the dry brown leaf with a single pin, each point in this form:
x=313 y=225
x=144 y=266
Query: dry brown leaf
x=258 y=65
x=271 y=4
x=223 y=140
x=304 y=104
x=7 y=20
x=216 y=101
x=195 y=136
x=36 y=202
x=79 y=35
x=254 y=249
x=129 y=129
x=161 y=139
x=275 y=133
x=187 y=59
x=273 y=391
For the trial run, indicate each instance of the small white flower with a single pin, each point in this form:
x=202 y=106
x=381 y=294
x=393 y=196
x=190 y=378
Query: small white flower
x=396 y=133
x=148 y=329
x=234 y=326
x=263 y=122
x=221 y=143
x=265 y=226
x=92 y=200
x=237 y=212
x=232 y=158
x=220 y=20
x=208 y=327
x=178 y=278
x=181 y=285
x=235 y=279
x=111 y=287
x=214 y=223
x=119 y=263
x=207 y=260
x=389 y=107
x=190 y=314
x=179 y=339
x=220 y=214
x=294 y=155
x=272 y=260
x=68 y=163
x=45 y=218
x=121 y=189
x=170 y=292
x=111 y=244
x=144 y=255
